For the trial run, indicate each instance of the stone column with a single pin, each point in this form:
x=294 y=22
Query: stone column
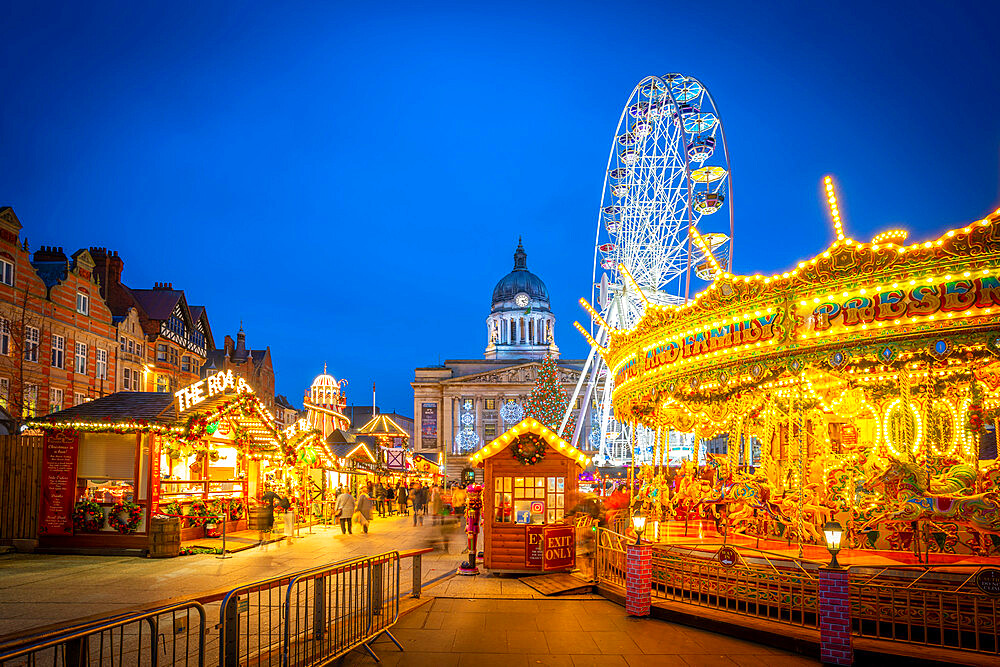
x=835 y=617
x=638 y=579
x=478 y=403
x=444 y=428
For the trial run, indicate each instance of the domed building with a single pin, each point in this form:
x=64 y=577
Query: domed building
x=521 y=324
x=462 y=404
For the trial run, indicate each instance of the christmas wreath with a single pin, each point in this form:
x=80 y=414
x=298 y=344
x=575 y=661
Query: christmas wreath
x=236 y=509
x=87 y=516
x=529 y=449
x=199 y=514
x=128 y=525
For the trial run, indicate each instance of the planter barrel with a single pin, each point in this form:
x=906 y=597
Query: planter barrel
x=261 y=518
x=164 y=537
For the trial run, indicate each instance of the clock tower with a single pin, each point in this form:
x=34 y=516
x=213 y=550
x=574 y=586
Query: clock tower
x=521 y=324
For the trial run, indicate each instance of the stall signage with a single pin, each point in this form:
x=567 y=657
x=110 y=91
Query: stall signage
x=154 y=473
x=533 y=551
x=58 y=482
x=560 y=547
x=988 y=581
x=197 y=393
x=395 y=459
x=848 y=434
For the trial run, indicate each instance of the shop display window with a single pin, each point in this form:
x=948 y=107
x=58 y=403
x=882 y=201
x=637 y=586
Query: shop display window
x=107 y=490
x=528 y=500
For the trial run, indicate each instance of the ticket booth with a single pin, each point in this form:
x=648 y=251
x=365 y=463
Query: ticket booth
x=530 y=478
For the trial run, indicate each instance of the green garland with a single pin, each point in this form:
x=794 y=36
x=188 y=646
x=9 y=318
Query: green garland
x=528 y=449
x=87 y=516
x=125 y=526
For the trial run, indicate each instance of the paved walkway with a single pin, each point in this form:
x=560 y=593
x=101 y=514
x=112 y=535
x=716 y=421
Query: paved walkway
x=556 y=633
x=37 y=590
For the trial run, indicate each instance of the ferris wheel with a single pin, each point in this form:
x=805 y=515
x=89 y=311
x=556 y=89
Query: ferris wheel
x=668 y=174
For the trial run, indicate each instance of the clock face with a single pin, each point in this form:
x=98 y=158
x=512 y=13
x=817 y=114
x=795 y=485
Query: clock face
x=522 y=299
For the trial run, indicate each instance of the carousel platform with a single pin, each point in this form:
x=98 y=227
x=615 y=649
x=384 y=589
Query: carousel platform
x=701 y=538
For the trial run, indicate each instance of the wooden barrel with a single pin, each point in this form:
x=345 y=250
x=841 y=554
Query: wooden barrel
x=164 y=537
x=261 y=517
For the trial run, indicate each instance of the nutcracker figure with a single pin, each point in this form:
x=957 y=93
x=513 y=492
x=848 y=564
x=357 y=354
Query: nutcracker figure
x=473 y=513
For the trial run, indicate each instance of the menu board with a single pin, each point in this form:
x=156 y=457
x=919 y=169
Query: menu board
x=59 y=454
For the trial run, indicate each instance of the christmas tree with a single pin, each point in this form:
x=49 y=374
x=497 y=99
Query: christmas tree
x=547 y=402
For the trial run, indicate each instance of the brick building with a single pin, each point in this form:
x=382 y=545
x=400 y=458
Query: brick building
x=254 y=366
x=57 y=339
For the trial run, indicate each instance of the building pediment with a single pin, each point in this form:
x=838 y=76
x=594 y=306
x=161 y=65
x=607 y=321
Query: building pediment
x=520 y=374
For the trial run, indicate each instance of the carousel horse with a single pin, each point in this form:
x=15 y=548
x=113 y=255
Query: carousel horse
x=689 y=488
x=906 y=482
x=747 y=492
x=958 y=480
x=814 y=513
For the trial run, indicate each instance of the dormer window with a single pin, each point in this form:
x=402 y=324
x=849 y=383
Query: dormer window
x=82 y=303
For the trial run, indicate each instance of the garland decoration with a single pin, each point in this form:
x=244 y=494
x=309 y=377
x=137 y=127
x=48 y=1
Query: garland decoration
x=199 y=514
x=128 y=525
x=87 y=516
x=528 y=449
x=977 y=421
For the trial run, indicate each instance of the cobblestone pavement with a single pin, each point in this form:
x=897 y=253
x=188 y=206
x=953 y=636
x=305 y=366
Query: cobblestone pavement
x=556 y=633
x=37 y=589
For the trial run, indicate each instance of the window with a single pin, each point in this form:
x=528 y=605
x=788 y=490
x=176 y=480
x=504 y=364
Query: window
x=121 y=340
x=79 y=399
x=4 y=336
x=4 y=391
x=58 y=351
x=489 y=432
x=102 y=364
x=517 y=499
x=131 y=346
x=162 y=383
x=30 y=344
x=491 y=404
x=56 y=400
x=173 y=356
x=186 y=363
x=6 y=272
x=82 y=303
x=139 y=349
x=161 y=351
x=130 y=380
x=30 y=400
x=81 y=358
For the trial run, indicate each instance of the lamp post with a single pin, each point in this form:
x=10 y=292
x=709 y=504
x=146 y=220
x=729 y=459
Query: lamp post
x=639 y=524
x=833 y=532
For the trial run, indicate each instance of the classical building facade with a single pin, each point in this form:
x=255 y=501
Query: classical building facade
x=465 y=403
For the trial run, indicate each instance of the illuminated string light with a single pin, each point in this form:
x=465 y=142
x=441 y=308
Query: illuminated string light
x=831 y=198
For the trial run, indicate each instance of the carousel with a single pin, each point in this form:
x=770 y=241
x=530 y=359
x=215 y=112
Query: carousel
x=861 y=387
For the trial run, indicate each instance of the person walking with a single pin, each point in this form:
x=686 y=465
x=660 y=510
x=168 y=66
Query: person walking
x=345 y=508
x=363 y=513
x=401 y=497
x=458 y=497
x=436 y=503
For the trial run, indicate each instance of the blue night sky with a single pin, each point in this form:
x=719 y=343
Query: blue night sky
x=350 y=180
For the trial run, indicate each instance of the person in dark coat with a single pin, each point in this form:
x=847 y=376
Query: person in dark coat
x=401 y=498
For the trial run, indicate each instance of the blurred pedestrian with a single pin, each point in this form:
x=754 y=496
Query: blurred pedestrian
x=401 y=498
x=436 y=504
x=345 y=509
x=363 y=513
x=415 y=503
x=458 y=498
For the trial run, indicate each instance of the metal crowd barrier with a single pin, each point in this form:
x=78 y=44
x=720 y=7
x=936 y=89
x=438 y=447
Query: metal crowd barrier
x=173 y=635
x=331 y=611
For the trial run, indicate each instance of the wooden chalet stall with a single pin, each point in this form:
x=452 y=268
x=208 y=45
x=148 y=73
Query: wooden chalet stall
x=530 y=478
x=111 y=464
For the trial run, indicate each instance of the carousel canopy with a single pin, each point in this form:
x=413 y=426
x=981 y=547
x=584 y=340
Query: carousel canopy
x=383 y=426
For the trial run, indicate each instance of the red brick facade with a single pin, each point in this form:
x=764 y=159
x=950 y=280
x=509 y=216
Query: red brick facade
x=835 y=617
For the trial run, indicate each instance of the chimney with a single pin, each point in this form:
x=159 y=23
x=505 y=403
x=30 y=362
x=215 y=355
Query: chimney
x=163 y=286
x=49 y=254
x=228 y=344
x=108 y=266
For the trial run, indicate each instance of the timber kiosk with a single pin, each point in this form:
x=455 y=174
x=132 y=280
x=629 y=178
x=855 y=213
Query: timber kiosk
x=530 y=477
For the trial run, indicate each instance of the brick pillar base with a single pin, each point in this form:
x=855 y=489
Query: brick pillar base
x=638 y=579
x=835 y=618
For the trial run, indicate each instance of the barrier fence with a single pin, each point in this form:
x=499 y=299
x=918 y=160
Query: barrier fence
x=932 y=605
x=299 y=619
x=173 y=635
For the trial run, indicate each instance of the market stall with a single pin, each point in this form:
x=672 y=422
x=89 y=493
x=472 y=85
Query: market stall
x=112 y=463
x=863 y=385
x=530 y=478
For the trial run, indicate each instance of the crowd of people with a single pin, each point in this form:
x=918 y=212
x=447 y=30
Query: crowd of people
x=417 y=500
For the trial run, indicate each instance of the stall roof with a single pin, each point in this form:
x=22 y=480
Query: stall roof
x=347 y=450
x=133 y=405
x=383 y=426
x=529 y=425
x=433 y=457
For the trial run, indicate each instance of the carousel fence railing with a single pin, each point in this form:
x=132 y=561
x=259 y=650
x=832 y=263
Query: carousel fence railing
x=331 y=611
x=933 y=605
x=164 y=637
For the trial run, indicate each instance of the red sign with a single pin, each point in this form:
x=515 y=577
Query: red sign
x=560 y=547
x=848 y=434
x=154 y=473
x=533 y=547
x=58 y=483
x=727 y=557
